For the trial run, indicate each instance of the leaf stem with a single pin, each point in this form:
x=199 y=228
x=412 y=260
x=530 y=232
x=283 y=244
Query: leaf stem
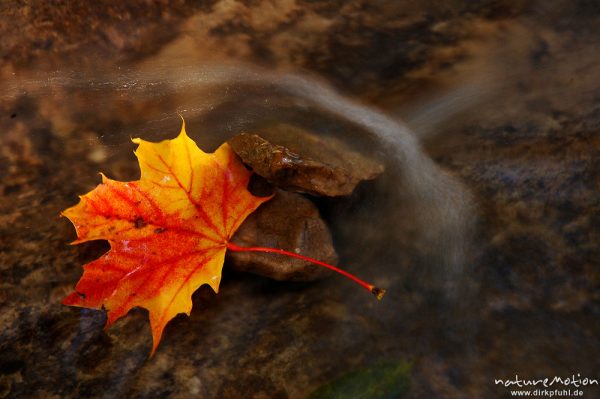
x=378 y=292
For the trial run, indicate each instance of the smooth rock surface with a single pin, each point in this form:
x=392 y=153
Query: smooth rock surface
x=296 y=160
x=290 y=222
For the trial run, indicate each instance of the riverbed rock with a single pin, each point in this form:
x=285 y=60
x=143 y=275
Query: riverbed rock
x=291 y=222
x=529 y=154
x=300 y=161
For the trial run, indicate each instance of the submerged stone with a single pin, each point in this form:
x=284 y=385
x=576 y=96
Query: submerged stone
x=297 y=160
x=291 y=222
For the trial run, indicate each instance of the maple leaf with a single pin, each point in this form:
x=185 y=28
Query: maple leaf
x=168 y=231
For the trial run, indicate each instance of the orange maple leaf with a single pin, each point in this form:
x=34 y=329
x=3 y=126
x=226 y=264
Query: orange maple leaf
x=168 y=231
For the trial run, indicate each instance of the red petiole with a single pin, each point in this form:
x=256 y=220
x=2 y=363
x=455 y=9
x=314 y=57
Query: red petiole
x=378 y=292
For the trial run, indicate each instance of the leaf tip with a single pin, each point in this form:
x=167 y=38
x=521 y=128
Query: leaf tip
x=68 y=213
x=182 y=132
x=71 y=300
x=110 y=318
x=152 y=351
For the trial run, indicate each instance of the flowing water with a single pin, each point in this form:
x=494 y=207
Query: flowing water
x=481 y=228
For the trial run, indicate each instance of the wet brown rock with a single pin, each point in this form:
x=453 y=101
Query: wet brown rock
x=297 y=160
x=290 y=222
x=529 y=154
